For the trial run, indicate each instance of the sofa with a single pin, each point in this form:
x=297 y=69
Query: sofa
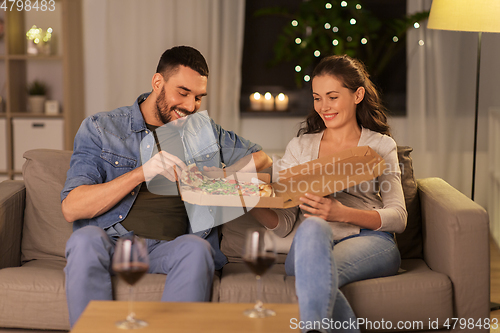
x=444 y=271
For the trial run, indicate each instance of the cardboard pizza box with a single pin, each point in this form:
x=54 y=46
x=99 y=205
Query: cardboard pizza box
x=323 y=176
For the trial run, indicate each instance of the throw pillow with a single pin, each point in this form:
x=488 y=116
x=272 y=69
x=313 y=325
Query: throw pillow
x=45 y=230
x=410 y=241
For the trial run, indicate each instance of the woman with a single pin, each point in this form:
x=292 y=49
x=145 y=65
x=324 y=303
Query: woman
x=347 y=236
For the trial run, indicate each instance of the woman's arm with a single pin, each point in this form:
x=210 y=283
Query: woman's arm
x=330 y=209
x=391 y=217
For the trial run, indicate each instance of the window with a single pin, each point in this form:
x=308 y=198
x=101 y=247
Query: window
x=260 y=37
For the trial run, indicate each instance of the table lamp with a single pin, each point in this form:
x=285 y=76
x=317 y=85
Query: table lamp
x=466 y=15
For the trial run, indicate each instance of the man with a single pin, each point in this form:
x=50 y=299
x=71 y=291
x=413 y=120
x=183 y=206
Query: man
x=108 y=193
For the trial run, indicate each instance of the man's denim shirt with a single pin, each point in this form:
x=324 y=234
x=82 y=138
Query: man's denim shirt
x=110 y=144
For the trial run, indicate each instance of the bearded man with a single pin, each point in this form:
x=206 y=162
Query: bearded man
x=108 y=192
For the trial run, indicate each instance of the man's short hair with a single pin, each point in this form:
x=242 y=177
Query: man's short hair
x=177 y=56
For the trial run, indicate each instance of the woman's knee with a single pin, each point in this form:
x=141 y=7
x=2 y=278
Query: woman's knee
x=313 y=227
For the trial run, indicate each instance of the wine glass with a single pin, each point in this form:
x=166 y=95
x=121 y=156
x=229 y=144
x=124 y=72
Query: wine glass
x=259 y=254
x=131 y=262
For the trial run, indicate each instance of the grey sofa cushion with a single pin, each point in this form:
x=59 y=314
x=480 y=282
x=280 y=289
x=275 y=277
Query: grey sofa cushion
x=45 y=230
x=410 y=241
x=416 y=294
x=33 y=296
x=239 y=285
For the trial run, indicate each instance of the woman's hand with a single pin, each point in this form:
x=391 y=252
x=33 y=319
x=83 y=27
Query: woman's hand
x=330 y=209
x=324 y=207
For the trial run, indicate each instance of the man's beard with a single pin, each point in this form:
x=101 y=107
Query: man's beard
x=164 y=111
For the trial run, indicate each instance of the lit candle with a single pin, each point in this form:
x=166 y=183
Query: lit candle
x=281 y=102
x=268 y=102
x=256 y=101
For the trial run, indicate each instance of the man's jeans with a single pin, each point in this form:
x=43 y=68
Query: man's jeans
x=188 y=261
x=321 y=266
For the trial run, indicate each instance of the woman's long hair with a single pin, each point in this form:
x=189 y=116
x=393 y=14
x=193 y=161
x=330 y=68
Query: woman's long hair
x=370 y=113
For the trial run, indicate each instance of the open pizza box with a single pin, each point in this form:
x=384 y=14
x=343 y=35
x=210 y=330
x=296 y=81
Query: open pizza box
x=323 y=176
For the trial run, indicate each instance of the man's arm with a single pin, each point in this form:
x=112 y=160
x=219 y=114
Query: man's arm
x=254 y=162
x=88 y=201
x=262 y=160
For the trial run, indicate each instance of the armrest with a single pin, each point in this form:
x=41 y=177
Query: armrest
x=456 y=243
x=12 y=202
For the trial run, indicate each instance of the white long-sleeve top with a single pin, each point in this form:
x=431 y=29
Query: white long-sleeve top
x=383 y=194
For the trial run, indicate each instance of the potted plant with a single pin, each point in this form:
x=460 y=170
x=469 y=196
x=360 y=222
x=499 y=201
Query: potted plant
x=37 y=91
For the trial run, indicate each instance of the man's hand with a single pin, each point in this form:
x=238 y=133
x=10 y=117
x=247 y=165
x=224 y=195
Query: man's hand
x=164 y=164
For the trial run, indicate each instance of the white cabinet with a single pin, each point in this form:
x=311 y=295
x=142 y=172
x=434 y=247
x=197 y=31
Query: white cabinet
x=33 y=133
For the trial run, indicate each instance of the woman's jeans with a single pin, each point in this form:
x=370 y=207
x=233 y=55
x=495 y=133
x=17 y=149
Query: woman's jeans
x=321 y=266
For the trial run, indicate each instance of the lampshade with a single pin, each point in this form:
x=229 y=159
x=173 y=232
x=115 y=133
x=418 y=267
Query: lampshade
x=465 y=15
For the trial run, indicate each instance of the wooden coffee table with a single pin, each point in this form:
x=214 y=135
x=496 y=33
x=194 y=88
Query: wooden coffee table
x=100 y=316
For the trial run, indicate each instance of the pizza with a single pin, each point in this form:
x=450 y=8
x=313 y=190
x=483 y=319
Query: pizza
x=192 y=179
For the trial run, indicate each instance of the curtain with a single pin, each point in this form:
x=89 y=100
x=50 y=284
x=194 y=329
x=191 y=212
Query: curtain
x=124 y=39
x=441 y=94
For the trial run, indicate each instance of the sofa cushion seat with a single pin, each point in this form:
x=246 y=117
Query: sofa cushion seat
x=416 y=294
x=239 y=285
x=33 y=295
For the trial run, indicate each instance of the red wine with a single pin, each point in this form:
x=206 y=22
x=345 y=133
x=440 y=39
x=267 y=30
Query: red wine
x=131 y=272
x=260 y=264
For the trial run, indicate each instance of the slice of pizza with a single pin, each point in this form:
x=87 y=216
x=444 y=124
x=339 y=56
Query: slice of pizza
x=192 y=176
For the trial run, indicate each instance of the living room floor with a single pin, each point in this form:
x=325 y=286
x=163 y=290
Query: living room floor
x=494 y=291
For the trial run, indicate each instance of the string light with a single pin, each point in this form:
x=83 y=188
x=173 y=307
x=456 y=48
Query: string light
x=36 y=35
x=48 y=35
x=335 y=29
